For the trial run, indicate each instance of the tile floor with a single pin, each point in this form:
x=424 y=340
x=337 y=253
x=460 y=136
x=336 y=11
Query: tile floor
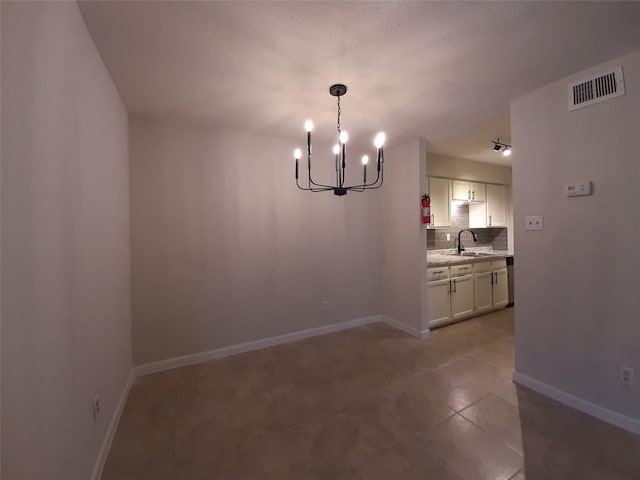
x=364 y=404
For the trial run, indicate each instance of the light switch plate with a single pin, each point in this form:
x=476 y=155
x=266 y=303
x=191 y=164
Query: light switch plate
x=533 y=222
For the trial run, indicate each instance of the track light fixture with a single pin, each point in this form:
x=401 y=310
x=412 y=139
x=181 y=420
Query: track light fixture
x=498 y=145
x=340 y=154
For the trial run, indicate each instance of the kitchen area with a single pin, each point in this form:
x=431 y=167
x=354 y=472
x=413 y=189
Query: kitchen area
x=469 y=236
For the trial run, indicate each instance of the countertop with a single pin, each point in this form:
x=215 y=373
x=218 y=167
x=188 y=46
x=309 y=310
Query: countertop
x=439 y=258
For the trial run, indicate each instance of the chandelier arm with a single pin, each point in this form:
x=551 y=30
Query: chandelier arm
x=311 y=182
x=320 y=188
x=372 y=184
x=315 y=189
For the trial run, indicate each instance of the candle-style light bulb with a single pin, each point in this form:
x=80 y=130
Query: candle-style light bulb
x=336 y=149
x=506 y=152
x=379 y=140
x=308 y=125
x=344 y=136
x=365 y=160
x=297 y=153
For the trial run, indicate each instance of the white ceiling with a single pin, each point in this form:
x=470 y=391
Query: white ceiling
x=442 y=71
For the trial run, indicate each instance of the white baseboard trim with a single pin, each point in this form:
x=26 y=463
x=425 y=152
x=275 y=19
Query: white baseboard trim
x=597 y=411
x=111 y=429
x=406 y=328
x=175 y=362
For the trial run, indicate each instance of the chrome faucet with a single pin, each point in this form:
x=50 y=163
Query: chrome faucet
x=460 y=247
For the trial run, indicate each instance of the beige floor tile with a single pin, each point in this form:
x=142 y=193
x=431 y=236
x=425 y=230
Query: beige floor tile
x=366 y=403
x=454 y=391
x=478 y=371
x=508 y=392
x=498 y=417
x=563 y=443
x=405 y=461
x=469 y=452
x=405 y=411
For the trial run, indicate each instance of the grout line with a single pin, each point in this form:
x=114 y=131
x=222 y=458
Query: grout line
x=491 y=434
x=472 y=404
x=517 y=473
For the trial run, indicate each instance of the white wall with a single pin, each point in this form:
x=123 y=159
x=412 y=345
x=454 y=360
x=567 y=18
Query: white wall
x=453 y=167
x=66 y=331
x=226 y=249
x=577 y=310
x=404 y=238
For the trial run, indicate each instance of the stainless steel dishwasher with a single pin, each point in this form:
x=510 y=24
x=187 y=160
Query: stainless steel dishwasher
x=510 y=278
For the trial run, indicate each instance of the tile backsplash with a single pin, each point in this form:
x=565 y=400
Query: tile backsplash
x=496 y=238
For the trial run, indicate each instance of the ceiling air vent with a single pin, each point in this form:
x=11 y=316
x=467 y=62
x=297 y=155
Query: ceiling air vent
x=597 y=88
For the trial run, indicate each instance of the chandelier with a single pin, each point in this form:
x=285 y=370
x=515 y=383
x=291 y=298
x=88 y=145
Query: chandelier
x=340 y=154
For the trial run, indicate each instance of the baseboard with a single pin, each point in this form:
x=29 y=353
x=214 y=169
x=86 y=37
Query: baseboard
x=597 y=411
x=175 y=362
x=406 y=328
x=111 y=429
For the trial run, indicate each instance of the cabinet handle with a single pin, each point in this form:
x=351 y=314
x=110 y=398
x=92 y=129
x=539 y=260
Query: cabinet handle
x=491 y=278
x=468 y=194
x=439 y=271
x=449 y=292
x=433 y=219
x=454 y=287
x=473 y=195
x=496 y=274
x=489 y=220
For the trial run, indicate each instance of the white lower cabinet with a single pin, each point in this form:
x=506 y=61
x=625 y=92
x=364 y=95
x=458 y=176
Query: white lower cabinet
x=463 y=291
x=450 y=293
x=483 y=292
x=461 y=297
x=439 y=307
x=491 y=286
x=500 y=288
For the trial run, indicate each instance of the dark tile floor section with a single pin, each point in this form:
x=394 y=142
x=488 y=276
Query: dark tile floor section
x=364 y=404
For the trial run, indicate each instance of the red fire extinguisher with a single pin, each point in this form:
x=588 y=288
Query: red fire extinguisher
x=426 y=209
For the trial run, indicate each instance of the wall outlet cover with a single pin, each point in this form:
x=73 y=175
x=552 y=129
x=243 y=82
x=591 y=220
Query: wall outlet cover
x=533 y=222
x=626 y=375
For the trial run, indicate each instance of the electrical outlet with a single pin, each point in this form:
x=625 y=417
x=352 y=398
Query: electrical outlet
x=96 y=407
x=448 y=237
x=325 y=305
x=625 y=375
x=533 y=222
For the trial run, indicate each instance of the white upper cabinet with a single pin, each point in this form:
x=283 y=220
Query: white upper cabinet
x=491 y=213
x=496 y=205
x=465 y=191
x=439 y=193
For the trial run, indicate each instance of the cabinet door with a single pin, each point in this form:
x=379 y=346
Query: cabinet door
x=483 y=289
x=461 y=297
x=438 y=303
x=477 y=191
x=460 y=190
x=440 y=204
x=496 y=206
x=478 y=215
x=500 y=288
